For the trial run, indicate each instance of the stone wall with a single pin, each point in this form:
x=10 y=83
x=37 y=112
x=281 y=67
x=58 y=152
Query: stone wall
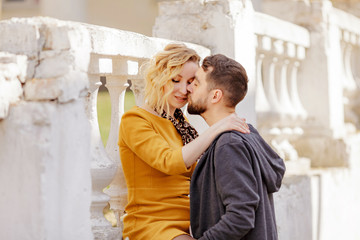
x=44 y=157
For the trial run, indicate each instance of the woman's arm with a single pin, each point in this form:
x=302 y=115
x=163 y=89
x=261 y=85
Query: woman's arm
x=138 y=134
x=192 y=151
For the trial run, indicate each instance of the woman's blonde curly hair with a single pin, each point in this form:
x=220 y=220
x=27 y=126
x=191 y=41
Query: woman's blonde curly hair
x=161 y=69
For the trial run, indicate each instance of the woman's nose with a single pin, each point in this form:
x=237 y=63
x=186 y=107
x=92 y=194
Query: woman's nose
x=189 y=88
x=183 y=88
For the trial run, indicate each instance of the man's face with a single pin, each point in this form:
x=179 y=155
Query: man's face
x=198 y=93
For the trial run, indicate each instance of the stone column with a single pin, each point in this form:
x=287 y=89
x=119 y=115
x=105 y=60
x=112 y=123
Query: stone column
x=224 y=26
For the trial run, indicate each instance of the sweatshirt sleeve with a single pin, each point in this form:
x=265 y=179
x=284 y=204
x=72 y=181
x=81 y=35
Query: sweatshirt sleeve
x=138 y=134
x=237 y=186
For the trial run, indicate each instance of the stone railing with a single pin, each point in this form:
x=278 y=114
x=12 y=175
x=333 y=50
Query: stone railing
x=329 y=75
x=65 y=63
x=349 y=28
x=281 y=47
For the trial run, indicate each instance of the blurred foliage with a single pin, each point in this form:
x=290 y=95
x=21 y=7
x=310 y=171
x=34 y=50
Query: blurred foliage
x=104 y=111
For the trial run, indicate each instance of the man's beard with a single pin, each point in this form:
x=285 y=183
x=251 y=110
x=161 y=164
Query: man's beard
x=194 y=108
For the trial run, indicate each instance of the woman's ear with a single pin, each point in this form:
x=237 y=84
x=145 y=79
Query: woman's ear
x=217 y=96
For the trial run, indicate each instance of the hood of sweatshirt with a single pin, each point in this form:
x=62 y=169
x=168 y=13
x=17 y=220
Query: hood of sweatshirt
x=272 y=167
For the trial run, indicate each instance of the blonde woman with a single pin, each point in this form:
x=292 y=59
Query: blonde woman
x=158 y=149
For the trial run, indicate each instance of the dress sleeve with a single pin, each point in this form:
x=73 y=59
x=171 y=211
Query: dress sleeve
x=237 y=186
x=139 y=135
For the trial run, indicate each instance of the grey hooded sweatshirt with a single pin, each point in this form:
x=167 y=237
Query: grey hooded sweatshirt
x=231 y=189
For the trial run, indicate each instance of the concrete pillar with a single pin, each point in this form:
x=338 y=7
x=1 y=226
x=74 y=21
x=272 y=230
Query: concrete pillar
x=65 y=9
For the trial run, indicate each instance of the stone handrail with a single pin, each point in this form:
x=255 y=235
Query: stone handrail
x=65 y=63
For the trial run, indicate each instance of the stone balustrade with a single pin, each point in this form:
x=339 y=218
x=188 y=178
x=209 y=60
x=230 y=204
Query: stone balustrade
x=280 y=49
x=61 y=64
x=329 y=88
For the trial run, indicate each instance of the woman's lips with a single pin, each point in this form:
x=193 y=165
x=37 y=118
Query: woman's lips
x=181 y=99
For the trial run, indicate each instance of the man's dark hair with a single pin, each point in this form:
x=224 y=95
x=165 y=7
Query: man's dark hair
x=227 y=75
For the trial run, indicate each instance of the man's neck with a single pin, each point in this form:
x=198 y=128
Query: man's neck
x=215 y=114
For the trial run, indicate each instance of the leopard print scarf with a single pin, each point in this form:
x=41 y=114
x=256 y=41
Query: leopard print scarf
x=186 y=131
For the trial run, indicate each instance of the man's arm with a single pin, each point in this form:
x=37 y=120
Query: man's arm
x=237 y=186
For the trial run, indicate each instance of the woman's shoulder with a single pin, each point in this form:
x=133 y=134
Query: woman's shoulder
x=138 y=111
x=140 y=114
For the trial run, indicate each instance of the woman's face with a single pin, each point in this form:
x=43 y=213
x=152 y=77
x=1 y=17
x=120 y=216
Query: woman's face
x=179 y=96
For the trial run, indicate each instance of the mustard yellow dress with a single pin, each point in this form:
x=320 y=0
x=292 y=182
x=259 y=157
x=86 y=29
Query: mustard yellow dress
x=157 y=179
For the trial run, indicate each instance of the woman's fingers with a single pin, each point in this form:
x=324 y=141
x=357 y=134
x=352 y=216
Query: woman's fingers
x=241 y=124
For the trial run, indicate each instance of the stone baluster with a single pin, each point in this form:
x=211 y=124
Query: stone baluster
x=117 y=84
x=269 y=65
x=262 y=104
x=349 y=84
x=356 y=69
x=287 y=110
x=117 y=190
x=102 y=168
x=347 y=50
x=294 y=93
x=356 y=60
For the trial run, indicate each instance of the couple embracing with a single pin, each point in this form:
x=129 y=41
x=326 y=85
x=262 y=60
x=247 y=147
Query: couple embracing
x=182 y=185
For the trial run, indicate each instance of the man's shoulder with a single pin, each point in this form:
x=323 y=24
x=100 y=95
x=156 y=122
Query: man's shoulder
x=235 y=136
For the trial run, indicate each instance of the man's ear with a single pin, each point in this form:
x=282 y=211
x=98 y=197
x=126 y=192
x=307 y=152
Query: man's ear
x=217 y=96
